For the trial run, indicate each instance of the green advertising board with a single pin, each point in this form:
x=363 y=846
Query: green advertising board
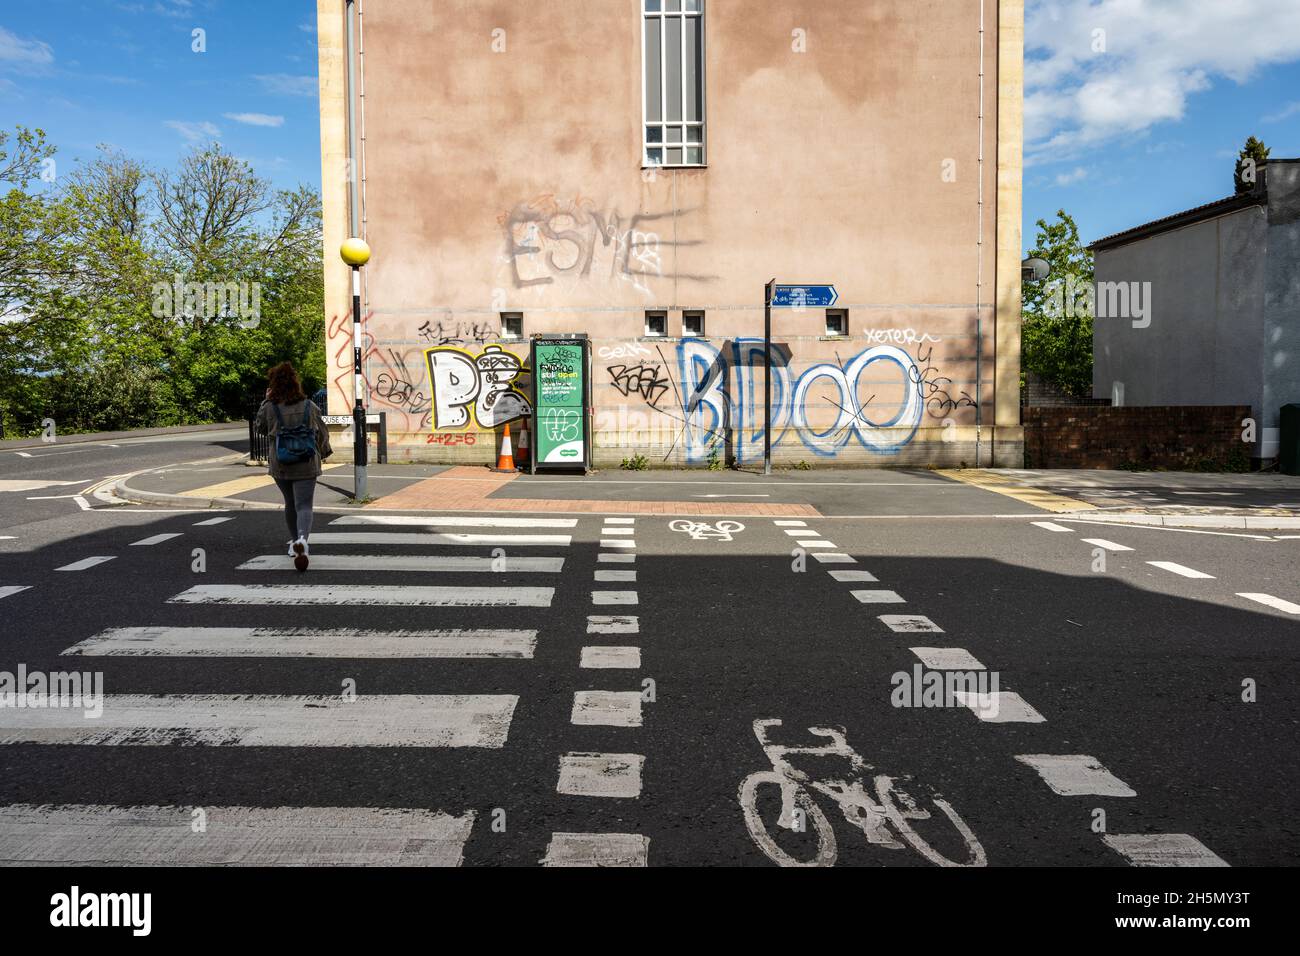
x=560 y=406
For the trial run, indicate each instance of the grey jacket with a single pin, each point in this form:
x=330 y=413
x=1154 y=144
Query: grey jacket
x=293 y=414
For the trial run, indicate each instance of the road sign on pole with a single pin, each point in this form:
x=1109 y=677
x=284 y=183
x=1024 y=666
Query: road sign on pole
x=806 y=296
x=767 y=376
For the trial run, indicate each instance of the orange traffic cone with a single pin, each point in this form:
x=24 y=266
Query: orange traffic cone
x=506 y=460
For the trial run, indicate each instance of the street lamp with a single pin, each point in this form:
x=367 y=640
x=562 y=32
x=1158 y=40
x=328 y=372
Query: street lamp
x=356 y=253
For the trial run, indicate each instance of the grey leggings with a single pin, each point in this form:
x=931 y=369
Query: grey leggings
x=297 y=504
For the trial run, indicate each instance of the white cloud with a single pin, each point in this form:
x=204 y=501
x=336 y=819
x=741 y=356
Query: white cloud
x=1076 y=175
x=285 y=84
x=1286 y=112
x=255 y=119
x=194 y=132
x=1097 y=70
x=17 y=53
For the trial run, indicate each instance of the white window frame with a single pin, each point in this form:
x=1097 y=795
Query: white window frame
x=686 y=333
x=658 y=313
x=844 y=331
x=508 y=336
x=663 y=123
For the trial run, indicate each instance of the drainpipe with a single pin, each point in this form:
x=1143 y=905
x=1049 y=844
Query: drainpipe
x=354 y=204
x=979 y=268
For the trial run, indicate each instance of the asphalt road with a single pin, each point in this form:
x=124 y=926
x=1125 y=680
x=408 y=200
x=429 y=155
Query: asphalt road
x=484 y=734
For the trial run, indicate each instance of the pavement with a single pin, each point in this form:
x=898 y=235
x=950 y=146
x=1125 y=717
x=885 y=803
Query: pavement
x=998 y=685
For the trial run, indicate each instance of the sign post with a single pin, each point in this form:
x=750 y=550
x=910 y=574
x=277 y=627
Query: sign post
x=806 y=296
x=561 y=399
x=356 y=254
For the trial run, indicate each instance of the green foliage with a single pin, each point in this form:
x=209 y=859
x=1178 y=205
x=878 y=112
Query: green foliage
x=635 y=463
x=1255 y=151
x=1056 y=330
x=715 y=457
x=91 y=332
x=801 y=466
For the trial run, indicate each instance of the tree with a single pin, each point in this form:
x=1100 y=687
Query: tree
x=1056 y=322
x=1253 y=155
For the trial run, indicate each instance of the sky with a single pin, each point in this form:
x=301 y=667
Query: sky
x=1134 y=109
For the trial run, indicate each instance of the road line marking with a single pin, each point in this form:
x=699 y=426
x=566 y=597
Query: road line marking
x=1108 y=545
x=1001 y=707
x=614 y=597
x=600 y=775
x=947 y=658
x=85 y=563
x=597 y=849
x=616 y=543
x=1077 y=775
x=407 y=562
x=616 y=624
x=11 y=589
x=361 y=594
x=604 y=708
x=620 y=521
x=612 y=575
x=157 y=539
x=1050 y=526
x=1273 y=602
x=802 y=533
x=878 y=597
x=834 y=557
x=803 y=543
x=211 y=521
x=607 y=557
x=82 y=503
x=451 y=521
x=1002 y=485
x=101 y=835
x=846 y=577
x=791 y=524
x=602 y=658
x=439 y=538
x=258 y=720
x=617 y=531
x=910 y=623
x=304 y=642
x=1162 y=849
x=1180 y=569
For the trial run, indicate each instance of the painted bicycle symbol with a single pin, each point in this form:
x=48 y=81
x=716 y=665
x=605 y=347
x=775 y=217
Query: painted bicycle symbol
x=874 y=803
x=703 y=531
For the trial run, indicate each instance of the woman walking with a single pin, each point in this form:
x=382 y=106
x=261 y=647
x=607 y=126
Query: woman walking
x=299 y=441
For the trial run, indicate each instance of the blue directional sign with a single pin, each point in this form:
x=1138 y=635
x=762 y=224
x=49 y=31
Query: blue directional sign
x=804 y=296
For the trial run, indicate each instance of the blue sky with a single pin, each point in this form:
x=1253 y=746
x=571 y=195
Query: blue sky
x=1139 y=121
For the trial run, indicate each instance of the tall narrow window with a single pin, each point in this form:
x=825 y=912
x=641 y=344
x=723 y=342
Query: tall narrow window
x=674 y=82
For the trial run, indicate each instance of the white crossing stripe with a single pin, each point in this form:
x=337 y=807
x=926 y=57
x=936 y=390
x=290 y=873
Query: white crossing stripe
x=1162 y=849
x=362 y=594
x=243 y=720
x=11 y=589
x=816 y=544
x=617 y=531
x=439 y=537
x=607 y=708
x=156 y=539
x=304 y=642
x=1108 y=545
x=100 y=835
x=85 y=563
x=1002 y=707
x=910 y=623
x=1180 y=569
x=834 y=557
x=947 y=658
x=1077 y=775
x=604 y=624
x=608 y=557
x=615 y=575
x=1268 y=599
x=613 y=597
x=616 y=543
x=597 y=849
x=620 y=521
x=462 y=521
x=211 y=521
x=805 y=533
x=407 y=562
x=1050 y=526
x=847 y=577
x=878 y=597
x=600 y=775
x=626 y=658
x=791 y=524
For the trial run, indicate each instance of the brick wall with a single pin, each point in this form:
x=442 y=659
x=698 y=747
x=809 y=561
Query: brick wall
x=1163 y=436
x=1038 y=392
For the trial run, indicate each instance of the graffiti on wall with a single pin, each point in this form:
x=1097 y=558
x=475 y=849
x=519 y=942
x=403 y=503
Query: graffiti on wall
x=479 y=388
x=452 y=332
x=645 y=380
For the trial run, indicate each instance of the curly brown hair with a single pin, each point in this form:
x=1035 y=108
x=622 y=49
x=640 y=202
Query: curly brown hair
x=285 y=386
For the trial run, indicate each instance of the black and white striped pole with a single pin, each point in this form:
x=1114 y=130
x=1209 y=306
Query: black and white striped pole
x=356 y=253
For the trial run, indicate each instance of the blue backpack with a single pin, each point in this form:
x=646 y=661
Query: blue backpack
x=295 y=445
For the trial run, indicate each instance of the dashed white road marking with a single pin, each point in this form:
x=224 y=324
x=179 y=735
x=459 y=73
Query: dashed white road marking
x=614 y=597
x=211 y=521
x=1108 y=545
x=601 y=775
x=597 y=849
x=372 y=720
x=304 y=642
x=620 y=521
x=618 y=624
x=1180 y=569
x=617 y=531
x=460 y=521
x=910 y=623
x=407 y=562
x=98 y=835
x=613 y=575
x=606 y=557
x=11 y=589
x=947 y=658
x=606 y=708
x=624 y=658
x=1050 y=526
x=833 y=557
x=846 y=577
x=1162 y=849
x=1273 y=602
x=802 y=533
x=878 y=597
x=804 y=543
x=85 y=563
x=440 y=537
x=157 y=539
x=1076 y=775
x=1001 y=707
x=361 y=594
x=616 y=543
x=791 y=524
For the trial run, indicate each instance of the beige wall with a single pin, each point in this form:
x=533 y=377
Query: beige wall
x=512 y=181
